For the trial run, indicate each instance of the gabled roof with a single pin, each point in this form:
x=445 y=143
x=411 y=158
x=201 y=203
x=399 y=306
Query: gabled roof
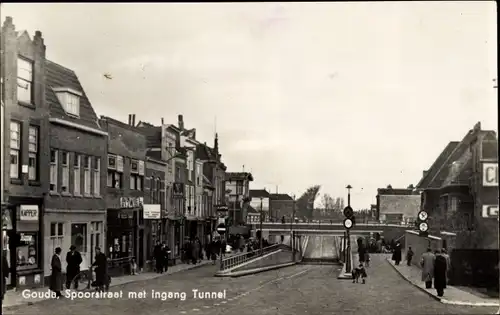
x=424 y=182
x=280 y=197
x=58 y=76
x=239 y=176
x=256 y=193
x=153 y=134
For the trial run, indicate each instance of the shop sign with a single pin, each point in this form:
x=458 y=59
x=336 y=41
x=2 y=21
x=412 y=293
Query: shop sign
x=152 y=212
x=490 y=211
x=490 y=174
x=131 y=202
x=28 y=213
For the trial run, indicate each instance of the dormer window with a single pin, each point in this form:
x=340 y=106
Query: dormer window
x=70 y=100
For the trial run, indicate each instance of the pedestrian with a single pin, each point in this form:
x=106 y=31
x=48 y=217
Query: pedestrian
x=56 y=274
x=5 y=272
x=440 y=271
x=200 y=250
x=73 y=260
x=158 y=255
x=101 y=270
x=165 y=256
x=427 y=264
x=409 y=256
x=195 y=251
x=396 y=255
x=213 y=252
x=444 y=252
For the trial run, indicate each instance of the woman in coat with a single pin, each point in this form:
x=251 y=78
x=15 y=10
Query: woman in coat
x=440 y=271
x=56 y=274
x=396 y=256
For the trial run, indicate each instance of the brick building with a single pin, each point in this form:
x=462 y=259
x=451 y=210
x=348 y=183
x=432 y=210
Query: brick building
x=25 y=175
x=397 y=205
x=281 y=205
x=125 y=190
x=460 y=193
x=75 y=210
x=237 y=185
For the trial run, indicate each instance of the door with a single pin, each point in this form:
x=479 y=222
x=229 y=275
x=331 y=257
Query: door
x=141 y=248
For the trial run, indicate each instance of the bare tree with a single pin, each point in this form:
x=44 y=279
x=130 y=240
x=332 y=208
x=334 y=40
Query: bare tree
x=328 y=202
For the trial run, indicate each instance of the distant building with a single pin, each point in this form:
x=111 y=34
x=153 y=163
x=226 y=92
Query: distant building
x=260 y=201
x=237 y=186
x=397 y=205
x=281 y=205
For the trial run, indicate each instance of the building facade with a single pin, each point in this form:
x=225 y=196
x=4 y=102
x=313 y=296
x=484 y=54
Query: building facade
x=179 y=200
x=75 y=210
x=259 y=200
x=281 y=206
x=25 y=175
x=125 y=190
x=238 y=188
x=397 y=205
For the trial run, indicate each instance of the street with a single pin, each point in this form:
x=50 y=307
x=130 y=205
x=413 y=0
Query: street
x=302 y=289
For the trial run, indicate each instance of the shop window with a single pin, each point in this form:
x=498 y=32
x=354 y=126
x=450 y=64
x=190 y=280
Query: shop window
x=79 y=237
x=56 y=236
x=27 y=250
x=114 y=179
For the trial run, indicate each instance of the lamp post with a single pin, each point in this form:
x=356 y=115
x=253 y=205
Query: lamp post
x=348 y=235
x=292 y=234
x=261 y=249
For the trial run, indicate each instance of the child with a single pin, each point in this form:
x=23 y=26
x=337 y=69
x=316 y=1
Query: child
x=133 y=267
x=359 y=271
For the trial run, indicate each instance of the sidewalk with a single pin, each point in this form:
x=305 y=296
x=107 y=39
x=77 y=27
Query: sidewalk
x=452 y=295
x=14 y=298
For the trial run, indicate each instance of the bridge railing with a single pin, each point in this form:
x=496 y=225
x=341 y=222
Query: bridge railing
x=323 y=224
x=233 y=261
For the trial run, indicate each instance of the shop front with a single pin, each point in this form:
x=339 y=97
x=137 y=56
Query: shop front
x=22 y=241
x=153 y=231
x=125 y=231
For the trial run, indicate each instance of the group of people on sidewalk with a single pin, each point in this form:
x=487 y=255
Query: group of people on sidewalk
x=161 y=253
x=193 y=251
x=435 y=266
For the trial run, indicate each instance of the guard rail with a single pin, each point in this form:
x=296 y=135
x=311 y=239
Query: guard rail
x=230 y=262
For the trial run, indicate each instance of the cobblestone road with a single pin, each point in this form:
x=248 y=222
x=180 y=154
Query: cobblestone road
x=296 y=290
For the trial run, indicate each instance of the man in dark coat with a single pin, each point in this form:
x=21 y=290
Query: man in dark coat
x=440 y=271
x=165 y=251
x=5 y=272
x=56 y=274
x=73 y=259
x=101 y=270
x=396 y=256
x=158 y=255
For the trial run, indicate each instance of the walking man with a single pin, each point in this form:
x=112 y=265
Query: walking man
x=56 y=274
x=440 y=271
x=427 y=264
x=73 y=259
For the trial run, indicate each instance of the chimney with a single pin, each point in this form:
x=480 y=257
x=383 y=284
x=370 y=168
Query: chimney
x=129 y=119
x=180 y=122
x=424 y=173
x=133 y=120
x=216 y=143
x=162 y=121
x=8 y=22
x=38 y=37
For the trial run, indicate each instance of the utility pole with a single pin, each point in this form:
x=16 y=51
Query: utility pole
x=348 y=235
x=261 y=213
x=292 y=234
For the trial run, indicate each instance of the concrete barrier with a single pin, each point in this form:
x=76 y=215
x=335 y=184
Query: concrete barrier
x=276 y=258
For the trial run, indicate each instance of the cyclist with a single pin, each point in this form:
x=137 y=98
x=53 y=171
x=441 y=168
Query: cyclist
x=101 y=270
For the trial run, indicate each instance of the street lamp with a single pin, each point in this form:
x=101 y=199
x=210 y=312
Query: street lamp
x=261 y=249
x=348 y=234
x=292 y=234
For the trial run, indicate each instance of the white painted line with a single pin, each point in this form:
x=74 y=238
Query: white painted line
x=298 y=274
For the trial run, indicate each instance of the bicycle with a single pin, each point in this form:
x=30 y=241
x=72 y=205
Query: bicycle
x=85 y=280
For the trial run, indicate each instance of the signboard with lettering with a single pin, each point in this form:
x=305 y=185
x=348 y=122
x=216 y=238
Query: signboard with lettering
x=131 y=202
x=490 y=174
x=28 y=213
x=490 y=211
x=141 y=168
x=152 y=212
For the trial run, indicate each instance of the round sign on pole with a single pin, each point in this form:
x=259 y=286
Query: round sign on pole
x=221 y=229
x=422 y=215
x=423 y=227
x=348 y=212
x=347 y=223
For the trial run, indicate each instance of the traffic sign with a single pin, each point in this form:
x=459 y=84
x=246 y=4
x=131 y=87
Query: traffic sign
x=422 y=215
x=423 y=227
x=348 y=223
x=221 y=229
x=348 y=212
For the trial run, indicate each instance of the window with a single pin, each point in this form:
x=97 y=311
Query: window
x=97 y=177
x=135 y=182
x=96 y=232
x=24 y=80
x=76 y=174
x=453 y=206
x=111 y=162
x=79 y=237
x=33 y=153
x=134 y=167
x=15 y=149
x=114 y=179
x=157 y=184
x=27 y=251
x=239 y=187
x=70 y=102
x=56 y=236
x=178 y=173
x=53 y=170
x=65 y=171
x=86 y=175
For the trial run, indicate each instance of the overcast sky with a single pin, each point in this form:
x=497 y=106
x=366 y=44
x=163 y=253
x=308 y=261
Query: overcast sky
x=366 y=94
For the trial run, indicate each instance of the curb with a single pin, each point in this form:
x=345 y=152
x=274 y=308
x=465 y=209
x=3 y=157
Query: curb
x=253 y=271
x=439 y=299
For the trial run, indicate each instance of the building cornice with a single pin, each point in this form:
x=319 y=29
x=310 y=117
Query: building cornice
x=78 y=126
